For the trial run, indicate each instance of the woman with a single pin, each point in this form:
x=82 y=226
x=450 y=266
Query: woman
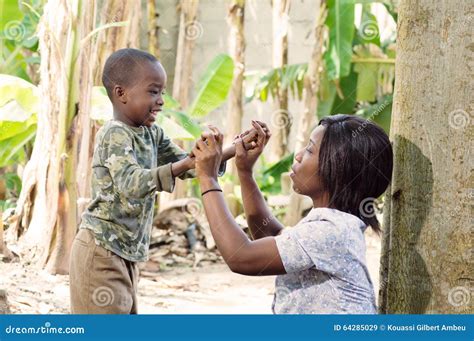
x=320 y=262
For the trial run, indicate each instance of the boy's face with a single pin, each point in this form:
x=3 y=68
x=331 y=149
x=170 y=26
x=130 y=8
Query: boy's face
x=144 y=99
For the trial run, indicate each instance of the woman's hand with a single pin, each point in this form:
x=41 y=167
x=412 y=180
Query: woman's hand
x=208 y=154
x=245 y=158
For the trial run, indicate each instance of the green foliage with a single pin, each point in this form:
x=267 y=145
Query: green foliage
x=390 y=6
x=374 y=79
x=170 y=102
x=187 y=123
x=101 y=106
x=172 y=129
x=21 y=96
x=269 y=180
x=6 y=204
x=368 y=65
x=19 y=103
x=345 y=100
x=368 y=31
x=367 y=82
x=102 y=110
x=261 y=84
x=18 y=42
x=13 y=183
x=11 y=149
x=340 y=21
x=213 y=86
x=379 y=112
x=327 y=95
x=13 y=186
x=212 y=91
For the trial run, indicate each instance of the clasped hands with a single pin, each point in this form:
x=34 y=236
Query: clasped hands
x=207 y=151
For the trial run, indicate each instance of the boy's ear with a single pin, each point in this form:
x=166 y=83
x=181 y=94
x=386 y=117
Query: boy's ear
x=119 y=93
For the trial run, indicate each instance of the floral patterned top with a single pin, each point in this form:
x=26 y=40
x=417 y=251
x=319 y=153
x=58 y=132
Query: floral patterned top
x=324 y=257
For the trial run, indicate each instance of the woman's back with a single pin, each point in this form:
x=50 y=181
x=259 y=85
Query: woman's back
x=324 y=257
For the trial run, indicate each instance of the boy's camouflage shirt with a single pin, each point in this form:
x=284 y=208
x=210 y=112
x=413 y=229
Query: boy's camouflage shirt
x=128 y=166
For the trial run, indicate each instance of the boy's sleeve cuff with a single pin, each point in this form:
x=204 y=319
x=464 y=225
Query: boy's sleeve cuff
x=222 y=168
x=163 y=178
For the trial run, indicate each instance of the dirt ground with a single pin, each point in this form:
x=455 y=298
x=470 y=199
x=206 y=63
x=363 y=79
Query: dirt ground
x=206 y=290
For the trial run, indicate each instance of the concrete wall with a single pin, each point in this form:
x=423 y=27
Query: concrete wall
x=212 y=40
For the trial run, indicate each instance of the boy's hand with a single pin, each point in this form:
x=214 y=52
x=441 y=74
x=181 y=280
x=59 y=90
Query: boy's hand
x=250 y=136
x=245 y=158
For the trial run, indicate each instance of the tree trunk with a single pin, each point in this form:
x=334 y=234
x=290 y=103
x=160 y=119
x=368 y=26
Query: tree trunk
x=47 y=205
x=281 y=119
x=116 y=38
x=427 y=255
x=153 y=29
x=310 y=98
x=108 y=41
x=188 y=26
x=189 y=30
x=235 y=110
x=86 y=127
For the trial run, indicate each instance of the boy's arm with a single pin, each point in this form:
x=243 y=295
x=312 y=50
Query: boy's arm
x=182 y=166
x=181 y=163
x=228 y=153
x=249 y=138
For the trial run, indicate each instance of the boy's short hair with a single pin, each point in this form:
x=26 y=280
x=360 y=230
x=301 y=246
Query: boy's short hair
x=121 y=67
x=355 y=165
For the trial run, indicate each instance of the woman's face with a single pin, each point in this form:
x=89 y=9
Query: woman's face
x=304 y=173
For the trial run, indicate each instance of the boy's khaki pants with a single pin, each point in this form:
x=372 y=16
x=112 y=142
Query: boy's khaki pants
x=100 y=282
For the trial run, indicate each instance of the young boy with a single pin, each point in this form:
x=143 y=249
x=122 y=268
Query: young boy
x=133 y=159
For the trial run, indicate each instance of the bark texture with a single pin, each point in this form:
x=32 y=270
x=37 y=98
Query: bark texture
x=308 y=117
x=235 y=113
x=427 y=260
x=46 y=214
x=281 y=118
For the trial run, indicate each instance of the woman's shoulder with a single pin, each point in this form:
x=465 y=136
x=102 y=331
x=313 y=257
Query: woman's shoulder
x=333 y=217
x=329 y=222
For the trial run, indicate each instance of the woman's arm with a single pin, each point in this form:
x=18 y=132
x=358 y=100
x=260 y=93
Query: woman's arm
x=261 y=221
x=243 y=256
